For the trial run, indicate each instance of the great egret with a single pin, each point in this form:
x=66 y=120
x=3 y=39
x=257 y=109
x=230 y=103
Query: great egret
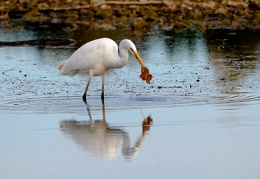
x=96 y=57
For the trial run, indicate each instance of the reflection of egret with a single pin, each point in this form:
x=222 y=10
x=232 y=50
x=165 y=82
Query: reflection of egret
x=98 y=56
x=98 y=138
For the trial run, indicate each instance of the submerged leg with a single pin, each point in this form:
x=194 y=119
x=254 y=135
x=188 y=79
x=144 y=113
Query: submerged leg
x=104 y=112
x=90 y=75
x=103 y=84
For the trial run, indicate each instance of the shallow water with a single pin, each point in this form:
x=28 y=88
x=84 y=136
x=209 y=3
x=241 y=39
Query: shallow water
x=203 y=99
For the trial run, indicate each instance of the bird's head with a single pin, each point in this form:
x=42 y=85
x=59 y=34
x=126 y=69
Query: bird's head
x=128 y=44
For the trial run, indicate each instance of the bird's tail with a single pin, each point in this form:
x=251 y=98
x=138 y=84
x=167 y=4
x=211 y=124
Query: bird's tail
x=61 y=65
x=64 y=70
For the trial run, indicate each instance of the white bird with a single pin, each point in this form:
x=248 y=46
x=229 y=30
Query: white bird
x=96 y=57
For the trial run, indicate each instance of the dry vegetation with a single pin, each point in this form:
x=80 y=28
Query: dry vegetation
x=138 y=15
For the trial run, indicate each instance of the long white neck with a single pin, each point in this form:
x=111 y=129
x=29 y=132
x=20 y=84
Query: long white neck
x=120 y=60
x=123 y=57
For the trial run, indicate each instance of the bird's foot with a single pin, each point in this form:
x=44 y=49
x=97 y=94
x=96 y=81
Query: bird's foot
x=84 y=98
x=102 y=98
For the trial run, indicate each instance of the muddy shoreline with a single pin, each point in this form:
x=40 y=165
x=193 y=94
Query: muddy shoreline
x=139 y=16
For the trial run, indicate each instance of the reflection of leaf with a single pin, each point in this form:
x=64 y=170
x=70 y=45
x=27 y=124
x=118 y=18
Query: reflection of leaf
x=147 y=123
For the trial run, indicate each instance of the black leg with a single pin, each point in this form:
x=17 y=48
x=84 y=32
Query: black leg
x=102 y=98
x=103 y=89
x=84 y=97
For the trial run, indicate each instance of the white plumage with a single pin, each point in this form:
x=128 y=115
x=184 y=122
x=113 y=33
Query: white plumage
x=96 y=57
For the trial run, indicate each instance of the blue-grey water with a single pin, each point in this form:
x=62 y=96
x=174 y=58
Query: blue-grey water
x=204 y=102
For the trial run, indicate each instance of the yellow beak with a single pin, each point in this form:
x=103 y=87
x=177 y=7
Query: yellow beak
x=138 y=58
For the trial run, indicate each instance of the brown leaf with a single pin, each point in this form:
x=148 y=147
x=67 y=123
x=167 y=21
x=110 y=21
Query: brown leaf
x=145 y=75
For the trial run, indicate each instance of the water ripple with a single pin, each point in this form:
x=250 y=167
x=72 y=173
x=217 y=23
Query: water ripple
x=75 y=104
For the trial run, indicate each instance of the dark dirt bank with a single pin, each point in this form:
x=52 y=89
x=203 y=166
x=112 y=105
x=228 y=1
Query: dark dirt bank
x=138 y=15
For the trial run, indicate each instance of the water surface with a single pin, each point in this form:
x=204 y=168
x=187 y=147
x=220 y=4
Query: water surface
x=203 y=100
